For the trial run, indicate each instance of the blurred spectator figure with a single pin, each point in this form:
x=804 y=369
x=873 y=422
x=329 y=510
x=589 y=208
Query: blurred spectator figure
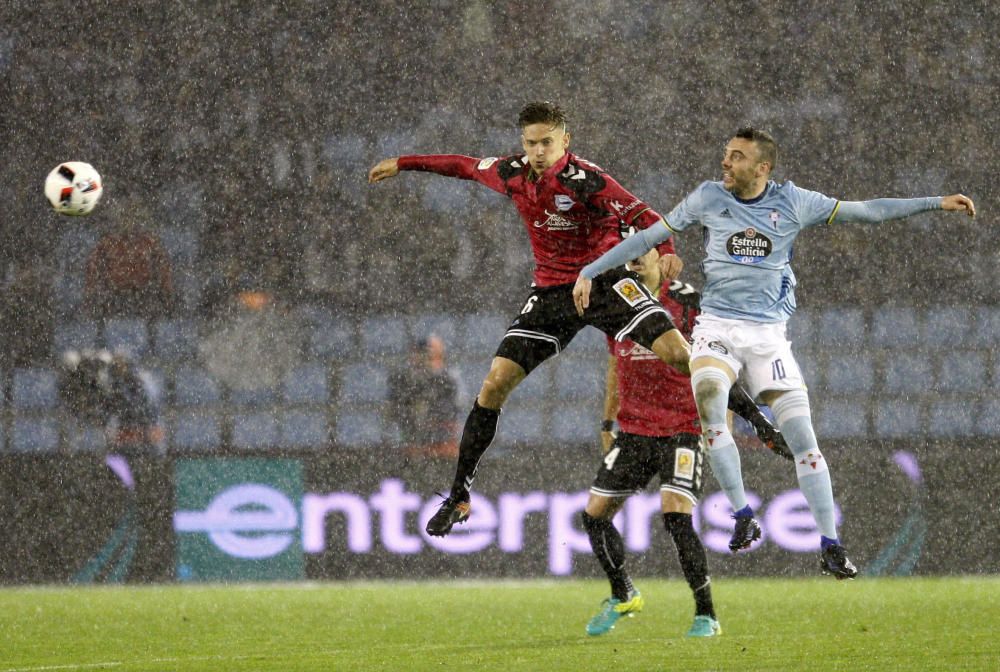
x=110 y=392
x=27 y=315
x=128 y=272
x=254 y=341
x=423 y=397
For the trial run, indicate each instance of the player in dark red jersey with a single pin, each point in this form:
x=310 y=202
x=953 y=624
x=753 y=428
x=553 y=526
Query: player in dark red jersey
x=573 y=212
x=659 y=433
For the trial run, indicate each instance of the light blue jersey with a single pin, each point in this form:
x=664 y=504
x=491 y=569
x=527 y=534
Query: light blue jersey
x=748 y=246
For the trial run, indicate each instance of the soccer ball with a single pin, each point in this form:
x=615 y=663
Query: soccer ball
x=73 y=188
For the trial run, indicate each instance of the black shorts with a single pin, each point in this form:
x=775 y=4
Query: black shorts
x=633 y=460
x=620 y=306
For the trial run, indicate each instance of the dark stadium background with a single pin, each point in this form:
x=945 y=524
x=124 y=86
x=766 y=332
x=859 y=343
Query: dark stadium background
x=244 y=134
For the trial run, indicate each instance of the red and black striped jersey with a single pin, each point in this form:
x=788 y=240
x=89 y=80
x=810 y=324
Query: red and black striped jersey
x=655 y=399
x=574 y=212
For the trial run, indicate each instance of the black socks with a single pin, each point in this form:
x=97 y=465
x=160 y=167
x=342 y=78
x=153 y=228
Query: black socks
x=694 y=563
x=610 y=551
x=480 y=428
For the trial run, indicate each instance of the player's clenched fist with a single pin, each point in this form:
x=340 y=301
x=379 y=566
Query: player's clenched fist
x=383 y=169
x=959 y=202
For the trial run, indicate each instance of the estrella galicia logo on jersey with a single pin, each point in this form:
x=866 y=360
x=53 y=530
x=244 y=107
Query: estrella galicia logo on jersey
x=487 y=162
x=563 y=202
x=718 y=347
x=749 y=246
x=629 y=290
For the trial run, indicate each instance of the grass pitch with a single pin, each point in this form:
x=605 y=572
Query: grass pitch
x=804 y=624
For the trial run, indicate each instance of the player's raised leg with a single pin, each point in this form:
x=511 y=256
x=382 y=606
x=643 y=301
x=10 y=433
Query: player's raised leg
x=480 y=429
x=792 y=413
x=711 y=380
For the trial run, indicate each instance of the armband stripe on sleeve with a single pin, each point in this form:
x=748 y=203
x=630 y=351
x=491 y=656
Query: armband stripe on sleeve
x=669 y=228
x=829 y=220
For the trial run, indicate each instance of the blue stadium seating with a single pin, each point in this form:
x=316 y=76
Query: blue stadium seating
x=580 y=378
x=195 y=387
x=333 y=340
x=897 y=327
x=801 y=331
x=176 y=340
x=909 y=373
x=31 y=434
x=127 y=335
x=75 y=245
x=304 y=429
x=194 y=430
x=74 y=336
x=522 y=425
x=443 y=325
x=952 y=417
x=360 y=428
x=838 y=418
x=181 y=244
x=988 y=417
x=575 y=423
x=255 y=430
x=589 y=340
x=987 y=328
x=307 y=384
x=85 y=438
x=253 y=396
x=471 y=373
x=961 y=371
x=481 y=334
x=952 y=324
x=68 y=290
x=840 y=328
x=383 y=336
x=850 y=375
x=364 y=383
x=897 y=419
x=34 y=388
x=536 y=387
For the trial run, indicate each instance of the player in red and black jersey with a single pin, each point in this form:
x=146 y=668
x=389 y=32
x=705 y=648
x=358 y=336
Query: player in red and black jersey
x=573 y=212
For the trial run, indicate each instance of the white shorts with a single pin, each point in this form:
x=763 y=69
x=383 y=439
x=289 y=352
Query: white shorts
x=760 y=350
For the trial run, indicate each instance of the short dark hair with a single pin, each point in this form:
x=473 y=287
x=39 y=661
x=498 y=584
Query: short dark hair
x=542 y=112
x=765 y=143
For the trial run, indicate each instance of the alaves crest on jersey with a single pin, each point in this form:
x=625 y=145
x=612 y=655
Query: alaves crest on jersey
x=749 y=246
x=563 y=202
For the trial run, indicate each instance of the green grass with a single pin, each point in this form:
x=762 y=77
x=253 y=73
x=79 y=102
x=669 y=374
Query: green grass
x=870 y=624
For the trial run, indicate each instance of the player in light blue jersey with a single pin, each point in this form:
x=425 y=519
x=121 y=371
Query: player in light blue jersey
x=750 y=223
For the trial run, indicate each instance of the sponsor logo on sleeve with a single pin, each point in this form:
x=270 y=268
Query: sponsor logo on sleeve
x=487 y=162
x=629 y=290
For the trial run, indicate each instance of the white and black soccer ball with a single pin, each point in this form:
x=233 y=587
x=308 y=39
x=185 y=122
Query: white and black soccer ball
x=73 y=188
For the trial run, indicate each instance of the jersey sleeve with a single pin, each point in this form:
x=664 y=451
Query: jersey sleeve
x=484 y=171
x=633 y=211
x=811 y=207
x=688 y=212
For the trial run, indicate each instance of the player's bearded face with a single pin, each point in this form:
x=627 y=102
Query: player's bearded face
x=741 y=167
x=544 y=145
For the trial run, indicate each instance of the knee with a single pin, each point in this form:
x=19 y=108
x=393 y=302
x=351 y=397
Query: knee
x=672 y=349
x=498 y=384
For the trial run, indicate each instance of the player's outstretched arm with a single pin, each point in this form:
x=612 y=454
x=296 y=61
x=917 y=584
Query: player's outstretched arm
x=384 y=169
x=960 y=203
x=885 y=209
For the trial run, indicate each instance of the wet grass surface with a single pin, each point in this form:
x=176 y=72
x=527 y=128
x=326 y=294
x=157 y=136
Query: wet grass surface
x=788 y=624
